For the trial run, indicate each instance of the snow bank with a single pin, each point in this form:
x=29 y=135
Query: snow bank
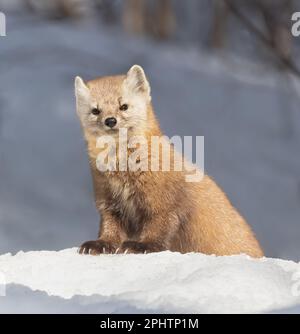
x=65 y=281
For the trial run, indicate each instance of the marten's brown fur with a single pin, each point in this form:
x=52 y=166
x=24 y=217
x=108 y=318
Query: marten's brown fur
x=148 y=211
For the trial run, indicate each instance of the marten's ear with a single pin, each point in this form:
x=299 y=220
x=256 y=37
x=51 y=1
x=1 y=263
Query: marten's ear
x=137 y=82
x=81 y=89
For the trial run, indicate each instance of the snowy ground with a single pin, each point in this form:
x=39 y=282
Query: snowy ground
x=167 y=282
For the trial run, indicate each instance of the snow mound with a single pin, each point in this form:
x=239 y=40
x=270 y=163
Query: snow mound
x=158 y=282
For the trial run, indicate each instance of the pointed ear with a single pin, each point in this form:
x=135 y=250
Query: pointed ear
x=81 y=89
x=137 y=82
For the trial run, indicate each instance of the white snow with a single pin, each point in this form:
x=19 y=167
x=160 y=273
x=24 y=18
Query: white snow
x=64 y=281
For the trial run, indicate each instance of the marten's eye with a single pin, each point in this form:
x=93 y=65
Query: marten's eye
x=124 y=107
x=95 y=111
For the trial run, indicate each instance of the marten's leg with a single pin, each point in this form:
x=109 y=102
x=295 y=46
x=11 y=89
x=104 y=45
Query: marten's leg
x=109 y=238
x=156 y=236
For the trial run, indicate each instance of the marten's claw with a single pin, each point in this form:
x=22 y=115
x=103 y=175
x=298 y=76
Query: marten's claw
x=95 y=247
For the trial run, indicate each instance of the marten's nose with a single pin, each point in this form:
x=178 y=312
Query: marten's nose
x=110 y=122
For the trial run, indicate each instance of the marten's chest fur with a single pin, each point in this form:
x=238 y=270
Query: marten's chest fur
x=127 y=202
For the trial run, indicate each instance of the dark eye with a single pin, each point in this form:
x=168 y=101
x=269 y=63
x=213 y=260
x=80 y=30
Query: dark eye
x=96 y=111
x=124 y=107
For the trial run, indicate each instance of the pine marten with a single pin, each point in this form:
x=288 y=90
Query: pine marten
x=151 y=211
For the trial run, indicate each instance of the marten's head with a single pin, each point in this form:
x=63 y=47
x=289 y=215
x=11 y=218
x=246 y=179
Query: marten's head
x=107 y=104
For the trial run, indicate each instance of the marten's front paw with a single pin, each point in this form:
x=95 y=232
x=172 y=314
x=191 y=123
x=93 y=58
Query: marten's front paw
x=135 y=247
x=95 y=247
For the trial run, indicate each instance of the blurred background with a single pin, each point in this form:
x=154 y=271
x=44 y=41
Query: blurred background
x=225 y=69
